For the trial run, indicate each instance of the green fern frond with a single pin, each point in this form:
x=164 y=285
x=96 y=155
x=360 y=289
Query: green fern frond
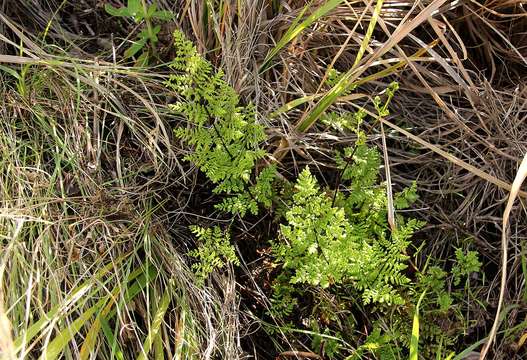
x=224 y=135
x=250 y=199
x=214 y=251
x=322 y=246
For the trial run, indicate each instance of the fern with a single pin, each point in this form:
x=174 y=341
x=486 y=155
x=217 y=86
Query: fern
x=255 y=195
x=283 y=298
x=329 y=343
x=405 y=198
x=214 y=251
x=343 y=122
x=365 y=170
x=224 y=135
x=328 y=238
x=343 y=239
x=379 y=344
x=323 y=246
x=465 y=265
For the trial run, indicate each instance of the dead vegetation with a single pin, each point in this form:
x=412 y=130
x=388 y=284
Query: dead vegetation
x=90 y=174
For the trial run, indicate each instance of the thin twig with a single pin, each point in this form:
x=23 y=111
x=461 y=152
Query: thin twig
x=299 y=354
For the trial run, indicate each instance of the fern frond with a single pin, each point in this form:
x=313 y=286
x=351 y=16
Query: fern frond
x=214 y=251
x=347 y=243
x=224 y=135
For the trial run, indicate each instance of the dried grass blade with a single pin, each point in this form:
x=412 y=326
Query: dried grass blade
x=498 y=182
x=389 y=194
x=308 y=119
x=68 y=304
x=518 y=180
x=7 y=346
x=95 y=328
x=353 y=74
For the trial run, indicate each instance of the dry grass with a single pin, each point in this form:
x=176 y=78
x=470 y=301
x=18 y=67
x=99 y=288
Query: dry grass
x=93 y=196
x=447 y=100
x=89 y=174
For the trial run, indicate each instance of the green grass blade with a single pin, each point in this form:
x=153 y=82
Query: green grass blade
x=108 y=333
x=57 y=345
x=295 y=29
x=11 y=72
x=156 y=323
x=463 y=355
x=93 y=332
x=327 y=100
x=164 y=15
x=158 y=348
x=293 y=104
x=414 y=341
x=76 y=294
x=42 y=323
x=343 y=84
x=369 y=32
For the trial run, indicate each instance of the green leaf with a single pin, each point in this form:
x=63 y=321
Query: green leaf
x=163 y=15
x=135 y=48
x=57 y=345
x=151 y=10
x=405 y=198
x=224 y=134
x=295 y=29
x=155 y=30
x=369 y=32
x=293 y=104
x=42 y=323
x=375 y=76
x=214 y=250
x=326 y=243
x=463 y=355
x=121 y=12
x=142 y=60
x=135 y=8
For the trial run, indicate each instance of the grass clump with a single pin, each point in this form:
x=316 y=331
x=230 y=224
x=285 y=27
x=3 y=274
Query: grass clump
x=308 y=150
x=85 y=250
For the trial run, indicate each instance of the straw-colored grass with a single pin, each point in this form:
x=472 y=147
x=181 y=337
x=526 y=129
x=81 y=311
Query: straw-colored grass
x=95 y=199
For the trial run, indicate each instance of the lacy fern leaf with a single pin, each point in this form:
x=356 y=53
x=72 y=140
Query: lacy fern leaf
x=324 y=244
x=214 y=251
x=249 y=200
x=224 y=135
